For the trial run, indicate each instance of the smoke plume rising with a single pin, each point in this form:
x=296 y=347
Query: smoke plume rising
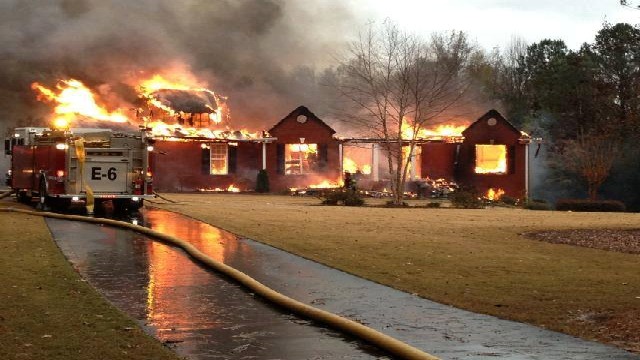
x=261 y=54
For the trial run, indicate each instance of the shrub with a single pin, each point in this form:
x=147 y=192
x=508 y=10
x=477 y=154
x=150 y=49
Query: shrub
x=590 y=205
x=392 y=204
x=509 y=200
x=433 y=205
x=466 y=198
x=262 y=182
x=536 y=204
x=344 y=197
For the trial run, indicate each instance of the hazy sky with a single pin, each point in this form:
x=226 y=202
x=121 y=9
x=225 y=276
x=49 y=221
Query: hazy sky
x=494 y=22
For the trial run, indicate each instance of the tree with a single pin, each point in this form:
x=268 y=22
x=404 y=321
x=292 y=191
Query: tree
x=628 y=3
x=591 y=156
x=398 y=84
x=617 y=48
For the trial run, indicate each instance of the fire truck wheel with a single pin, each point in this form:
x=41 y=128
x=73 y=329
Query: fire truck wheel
x=44 y=202
x=23 y=197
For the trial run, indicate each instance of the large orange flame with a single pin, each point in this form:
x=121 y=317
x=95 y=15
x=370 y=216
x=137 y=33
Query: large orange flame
x=159 y=82
x=494 y=194
x=434 y=133
x=73 y=99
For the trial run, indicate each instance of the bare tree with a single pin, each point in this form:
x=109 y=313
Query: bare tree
x=399 y=84
x=591 y=156
x=630 y=4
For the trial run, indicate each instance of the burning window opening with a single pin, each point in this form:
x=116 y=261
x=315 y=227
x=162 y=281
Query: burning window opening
x=351 y=166
x=219 y=159
x=357 y=158
x=301 y=159
x=491 y=159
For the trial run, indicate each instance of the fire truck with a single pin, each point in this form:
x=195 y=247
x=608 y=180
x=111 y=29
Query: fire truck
x=63 y=168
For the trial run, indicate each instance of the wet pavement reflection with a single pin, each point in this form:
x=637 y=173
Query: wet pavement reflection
x=197 y=313
x=203 y=316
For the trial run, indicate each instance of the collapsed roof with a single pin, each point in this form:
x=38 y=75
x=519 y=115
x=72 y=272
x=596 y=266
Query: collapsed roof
x=187 y=101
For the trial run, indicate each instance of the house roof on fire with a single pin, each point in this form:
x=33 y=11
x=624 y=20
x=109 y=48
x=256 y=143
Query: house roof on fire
x=187 y=101
x=303 y=110
x=492 y=114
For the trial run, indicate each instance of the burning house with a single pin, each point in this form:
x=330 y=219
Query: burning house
x=305 y=152
x=189 y=155
x=491 y=155
x=193 y=150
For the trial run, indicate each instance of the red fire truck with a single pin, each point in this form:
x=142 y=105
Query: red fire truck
x=80 y=166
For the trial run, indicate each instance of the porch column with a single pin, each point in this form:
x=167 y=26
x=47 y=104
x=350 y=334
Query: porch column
x=340 y=160
x=375 y=162
x=526 y=172
x=264 y=155
x=412 y=157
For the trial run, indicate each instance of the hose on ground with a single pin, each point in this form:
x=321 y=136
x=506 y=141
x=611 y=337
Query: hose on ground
x=6 y=193
x=387 y=343
x=163 y=197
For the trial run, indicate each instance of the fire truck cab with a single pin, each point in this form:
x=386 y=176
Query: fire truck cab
x=80 y=166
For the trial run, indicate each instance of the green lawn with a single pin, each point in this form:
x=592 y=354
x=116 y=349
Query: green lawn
x=48 y=312
x=472 y=259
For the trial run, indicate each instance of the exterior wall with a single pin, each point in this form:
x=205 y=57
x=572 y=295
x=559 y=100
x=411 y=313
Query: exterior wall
x=501 y=133
x=178 y=166
x=438 y=160
x=290 y=131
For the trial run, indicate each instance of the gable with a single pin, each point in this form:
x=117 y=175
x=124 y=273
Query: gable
x=301 y=116
x=484 y=123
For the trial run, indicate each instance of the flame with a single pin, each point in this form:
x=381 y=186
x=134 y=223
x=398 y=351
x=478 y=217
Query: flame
x=74 y=99
x=444 y=131
x=161 y=129
x=325 y=184
x=438 y=132
x=494 y=194
x=232 y=189
x=350 y=166
x=158 y=82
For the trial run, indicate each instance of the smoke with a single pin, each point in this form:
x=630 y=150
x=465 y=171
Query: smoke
x=261 y=54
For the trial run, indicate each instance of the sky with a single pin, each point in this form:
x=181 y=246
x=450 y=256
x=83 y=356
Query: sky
x=495 y=22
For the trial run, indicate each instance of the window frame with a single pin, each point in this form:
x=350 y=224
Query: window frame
x=477 y=151
x=304 y=166
x=218 y=156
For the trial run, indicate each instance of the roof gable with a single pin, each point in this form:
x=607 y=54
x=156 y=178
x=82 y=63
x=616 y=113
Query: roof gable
x=492 y=114
x=302 y=110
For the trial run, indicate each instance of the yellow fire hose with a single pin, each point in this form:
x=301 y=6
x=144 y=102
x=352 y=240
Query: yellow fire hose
x=5 y=194
x=385 y=342
x=81 y=155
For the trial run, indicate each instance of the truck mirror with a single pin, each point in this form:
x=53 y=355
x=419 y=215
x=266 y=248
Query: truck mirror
x=7 y=146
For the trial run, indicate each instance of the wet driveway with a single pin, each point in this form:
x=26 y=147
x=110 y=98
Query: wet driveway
x=203 y=316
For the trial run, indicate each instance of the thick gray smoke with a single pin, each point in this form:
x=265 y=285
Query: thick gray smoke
x=262 y=54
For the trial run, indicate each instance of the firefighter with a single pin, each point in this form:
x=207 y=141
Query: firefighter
x=349 y=181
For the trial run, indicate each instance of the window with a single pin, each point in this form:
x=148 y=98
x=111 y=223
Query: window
x=301 y=158
x=219 y=157
x=491 y=159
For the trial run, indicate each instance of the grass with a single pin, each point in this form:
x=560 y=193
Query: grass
x=472 y=259
x=48 y=312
